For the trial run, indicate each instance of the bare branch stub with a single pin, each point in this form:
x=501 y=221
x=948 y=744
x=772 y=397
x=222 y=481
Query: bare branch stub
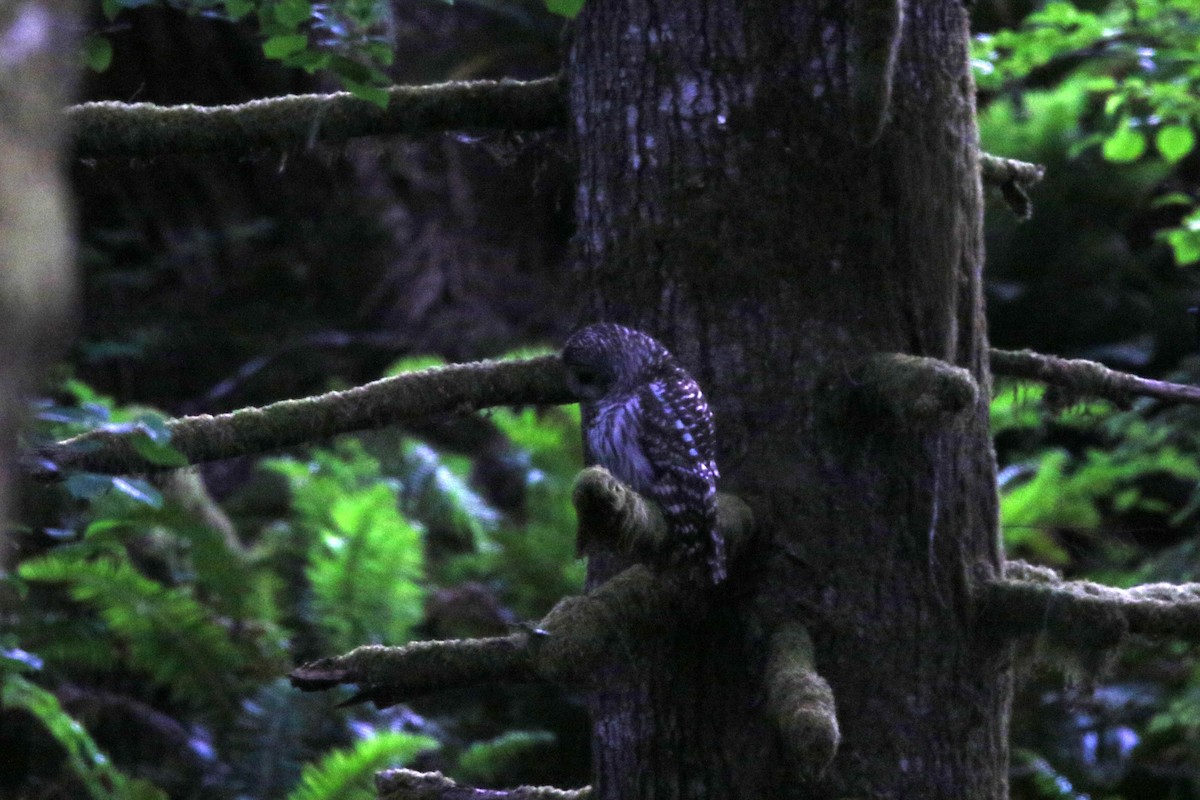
x=801 y=701
x=1013 y=179
x=914 y=387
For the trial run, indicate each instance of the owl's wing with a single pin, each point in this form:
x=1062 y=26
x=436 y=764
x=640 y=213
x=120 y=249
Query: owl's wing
x=677 y=437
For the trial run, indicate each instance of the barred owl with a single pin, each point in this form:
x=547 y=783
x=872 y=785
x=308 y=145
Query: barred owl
x=647 y=423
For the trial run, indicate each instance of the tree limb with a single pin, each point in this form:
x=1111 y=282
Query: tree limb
x=388 y=675
x=801 y=701
x=619 y=519
x=405 y=784
x=143 y=129
x=1033 y=600
x=457 y=388
x=570 y=645
x=1077 y=378
x=914 y=386
x=1013 y=179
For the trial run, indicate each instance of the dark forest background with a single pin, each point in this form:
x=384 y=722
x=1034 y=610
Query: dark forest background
x=161 y=616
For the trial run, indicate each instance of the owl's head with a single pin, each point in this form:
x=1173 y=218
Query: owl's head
x=605 y=357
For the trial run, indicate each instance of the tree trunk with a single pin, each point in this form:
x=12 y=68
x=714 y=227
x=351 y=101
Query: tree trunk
x=748 y=195
x=38 y=42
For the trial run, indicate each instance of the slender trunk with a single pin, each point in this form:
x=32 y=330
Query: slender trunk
x=733 y=203
x=38 y=41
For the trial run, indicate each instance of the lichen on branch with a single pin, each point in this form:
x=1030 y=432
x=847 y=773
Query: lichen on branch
x=143 y=129
x=458 y=388
x=407 y=784
x=1033 y=600
x=1076 y=378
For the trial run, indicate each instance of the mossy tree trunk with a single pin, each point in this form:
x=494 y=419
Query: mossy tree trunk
x=749 y=195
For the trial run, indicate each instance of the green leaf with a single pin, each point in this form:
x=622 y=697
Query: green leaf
x=1172 y=199
x=347 y=774
x=84 y=758
x=88 y=485
x=293 y=13
x=157 y=451
x=565 y=8
x=110 y=8
x=1185 y=244
x=490 y=761
x=162 y=631
x=97 y=52
x=363 y=91
x=236 y=9
x=278 y=47
x=139 y=490
x=1125 y=145
x=1174 y=142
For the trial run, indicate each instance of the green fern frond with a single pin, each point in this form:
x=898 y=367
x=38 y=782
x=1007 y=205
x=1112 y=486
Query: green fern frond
x=267 y=744
x=78 y=641
x=165 y=632
x=491 y=762
x=85 y=759
x=442 y=501
x=347 y=774
x=364 y=570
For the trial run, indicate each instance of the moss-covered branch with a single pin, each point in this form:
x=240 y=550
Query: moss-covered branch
x=1077 y=378
x=144 y=129
x=1013 y=179
x=458 y=388
x=570 y=645
x=615 y=517
x=914 y=386
x=801 y=701
x=388 y=675
x=1037 y=601
x=405 y=784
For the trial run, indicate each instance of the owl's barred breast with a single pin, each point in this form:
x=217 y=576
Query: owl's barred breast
x=613 y=438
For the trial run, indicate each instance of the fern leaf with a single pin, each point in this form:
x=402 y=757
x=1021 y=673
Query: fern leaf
x=166 y=632
x=347 y=774
x=85 y=759
x=489 y=762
